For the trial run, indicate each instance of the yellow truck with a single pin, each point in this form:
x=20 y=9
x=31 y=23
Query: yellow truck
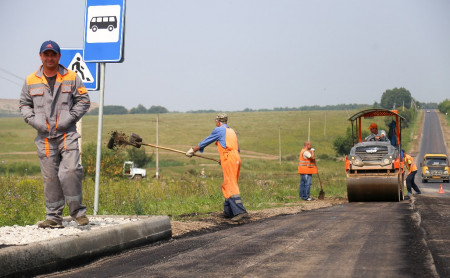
x=435 y=167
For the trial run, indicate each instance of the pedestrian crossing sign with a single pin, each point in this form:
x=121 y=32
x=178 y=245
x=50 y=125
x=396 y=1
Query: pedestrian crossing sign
x=72 y=59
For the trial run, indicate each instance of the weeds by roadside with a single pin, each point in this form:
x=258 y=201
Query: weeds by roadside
x=263 y=184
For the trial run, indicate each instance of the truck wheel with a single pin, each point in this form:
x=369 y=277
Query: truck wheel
x=137 y=177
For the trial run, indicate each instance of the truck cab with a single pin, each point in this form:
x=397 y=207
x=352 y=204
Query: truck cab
x=435 y=167
x=130 y=171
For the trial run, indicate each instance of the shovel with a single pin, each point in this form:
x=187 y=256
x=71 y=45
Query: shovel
x=136 y=141
x=321 y=193
x=120 y=139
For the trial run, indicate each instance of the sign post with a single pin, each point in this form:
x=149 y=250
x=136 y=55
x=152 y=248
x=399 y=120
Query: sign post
x=103 y=43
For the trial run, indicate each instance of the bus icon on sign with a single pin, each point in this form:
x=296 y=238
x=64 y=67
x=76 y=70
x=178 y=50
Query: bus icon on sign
x=103 y=22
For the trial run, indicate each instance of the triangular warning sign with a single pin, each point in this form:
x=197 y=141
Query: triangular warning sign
x=79 y=66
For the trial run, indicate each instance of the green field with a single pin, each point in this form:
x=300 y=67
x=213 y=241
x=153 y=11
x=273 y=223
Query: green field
x=264 y=181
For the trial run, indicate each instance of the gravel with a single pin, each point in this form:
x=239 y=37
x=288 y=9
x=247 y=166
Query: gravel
x=22 y=235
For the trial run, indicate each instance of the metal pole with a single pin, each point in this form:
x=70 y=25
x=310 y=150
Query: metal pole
x=325 y=126
x=157 y=136
x=99 y=137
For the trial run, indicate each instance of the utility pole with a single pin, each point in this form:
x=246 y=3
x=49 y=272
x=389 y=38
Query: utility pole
x=325 y=126
x=309 y=129
x=157 y=144
x=279 y=142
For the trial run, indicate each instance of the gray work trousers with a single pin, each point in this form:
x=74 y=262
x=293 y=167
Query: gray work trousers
x=62 y=174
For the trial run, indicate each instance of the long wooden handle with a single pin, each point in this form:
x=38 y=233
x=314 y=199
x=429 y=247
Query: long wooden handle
x=320 y=182
x=177 y=151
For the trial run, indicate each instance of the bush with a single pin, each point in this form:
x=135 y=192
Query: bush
x=110 y=165
x=139 y=157
x=343 y=144
x=444 y=107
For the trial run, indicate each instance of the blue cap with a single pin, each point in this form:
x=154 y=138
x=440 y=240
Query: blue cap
x=50 y=45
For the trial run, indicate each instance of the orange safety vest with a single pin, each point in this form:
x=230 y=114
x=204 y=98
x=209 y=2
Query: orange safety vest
x=306 y=166
x=230 y=161
x=409 y=161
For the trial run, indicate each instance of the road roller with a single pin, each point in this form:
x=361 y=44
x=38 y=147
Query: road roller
x=374 y=167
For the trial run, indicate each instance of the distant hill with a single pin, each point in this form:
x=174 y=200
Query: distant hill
x=10 y=107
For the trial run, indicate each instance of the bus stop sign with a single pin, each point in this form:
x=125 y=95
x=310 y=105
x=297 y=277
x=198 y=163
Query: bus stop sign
x=104 y=31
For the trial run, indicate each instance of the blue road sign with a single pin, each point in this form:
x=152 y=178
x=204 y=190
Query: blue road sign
x=88 y=72
x=103 y=31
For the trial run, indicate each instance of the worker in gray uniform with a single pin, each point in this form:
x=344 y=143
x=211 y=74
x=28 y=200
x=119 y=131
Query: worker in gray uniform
x=52 y=100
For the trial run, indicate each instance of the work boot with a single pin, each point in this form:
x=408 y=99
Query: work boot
x=50 y=224
x=240 y=217
x=82 y=220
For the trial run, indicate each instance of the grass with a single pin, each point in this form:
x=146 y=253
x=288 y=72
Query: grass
x=175 y=195
x=181 y=189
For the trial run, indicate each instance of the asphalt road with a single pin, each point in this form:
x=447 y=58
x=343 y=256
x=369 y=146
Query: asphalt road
x=433 y=206
x=405 y=239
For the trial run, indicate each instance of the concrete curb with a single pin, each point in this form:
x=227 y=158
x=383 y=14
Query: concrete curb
x=46 y=256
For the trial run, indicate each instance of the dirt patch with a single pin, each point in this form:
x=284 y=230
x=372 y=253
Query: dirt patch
x=201 y=223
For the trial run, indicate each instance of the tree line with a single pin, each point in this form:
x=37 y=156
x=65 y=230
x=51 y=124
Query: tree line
x=395 y=98
x=399 y=99
x=119 y=110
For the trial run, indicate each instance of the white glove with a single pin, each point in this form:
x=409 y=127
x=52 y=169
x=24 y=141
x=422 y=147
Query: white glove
x=190 y=153
x=312 y=149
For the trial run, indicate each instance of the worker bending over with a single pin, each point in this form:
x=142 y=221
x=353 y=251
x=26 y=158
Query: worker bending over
x=227 y=144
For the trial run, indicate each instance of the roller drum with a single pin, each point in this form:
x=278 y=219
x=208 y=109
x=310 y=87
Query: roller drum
x=373 y=189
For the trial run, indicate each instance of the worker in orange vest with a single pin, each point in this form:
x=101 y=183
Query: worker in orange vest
x=410 y=183
x=227 y=144
x=306 y=168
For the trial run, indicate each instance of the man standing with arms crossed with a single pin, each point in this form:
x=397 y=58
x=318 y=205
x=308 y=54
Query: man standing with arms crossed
x=52 y=100
x=227 y=144
x=306 y=167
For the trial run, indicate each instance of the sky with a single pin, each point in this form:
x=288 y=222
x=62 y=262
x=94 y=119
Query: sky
x=231 y=55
